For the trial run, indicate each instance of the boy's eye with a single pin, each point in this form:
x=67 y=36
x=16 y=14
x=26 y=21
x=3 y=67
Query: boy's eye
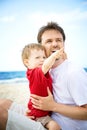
x=44 y=57
x=37 y=57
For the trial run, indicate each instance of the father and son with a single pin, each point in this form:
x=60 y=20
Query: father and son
x=58 y=88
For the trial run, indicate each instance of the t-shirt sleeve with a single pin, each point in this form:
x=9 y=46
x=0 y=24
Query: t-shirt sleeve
x=36 y=75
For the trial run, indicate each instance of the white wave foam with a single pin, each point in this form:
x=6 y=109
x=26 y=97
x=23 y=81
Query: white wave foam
x=16 y=80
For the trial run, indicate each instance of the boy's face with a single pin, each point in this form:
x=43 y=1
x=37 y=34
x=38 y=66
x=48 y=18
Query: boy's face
x=36 y=58
x=52 y=40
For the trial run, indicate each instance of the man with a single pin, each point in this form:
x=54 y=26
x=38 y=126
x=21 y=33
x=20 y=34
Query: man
x=70 y=87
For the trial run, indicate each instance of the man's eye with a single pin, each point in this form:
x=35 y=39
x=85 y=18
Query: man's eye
x=59 y=40
x=48 y=42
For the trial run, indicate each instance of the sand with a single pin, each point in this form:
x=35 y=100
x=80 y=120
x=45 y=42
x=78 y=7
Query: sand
x=17 y=92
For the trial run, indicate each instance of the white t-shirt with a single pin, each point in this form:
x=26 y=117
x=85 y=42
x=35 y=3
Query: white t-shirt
x=69 y=87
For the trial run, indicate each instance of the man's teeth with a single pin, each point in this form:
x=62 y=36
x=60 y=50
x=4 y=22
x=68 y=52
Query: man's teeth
x=53 y=51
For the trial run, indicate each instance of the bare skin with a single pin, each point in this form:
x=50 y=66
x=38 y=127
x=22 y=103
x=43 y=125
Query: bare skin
x=4 y=106
x=3 y=118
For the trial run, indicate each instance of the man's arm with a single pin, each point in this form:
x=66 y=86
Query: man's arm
x=75 y=112
x=48 y=103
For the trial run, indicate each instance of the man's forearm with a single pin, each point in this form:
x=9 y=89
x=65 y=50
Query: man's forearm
x=75 y=112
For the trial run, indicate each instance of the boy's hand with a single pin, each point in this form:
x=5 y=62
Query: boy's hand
x=27 y=114
x=59 y=53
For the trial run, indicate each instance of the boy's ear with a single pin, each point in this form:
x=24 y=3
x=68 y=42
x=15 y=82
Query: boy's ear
x=26 y=62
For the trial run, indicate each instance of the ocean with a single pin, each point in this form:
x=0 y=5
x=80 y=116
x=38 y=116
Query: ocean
x=14 y=76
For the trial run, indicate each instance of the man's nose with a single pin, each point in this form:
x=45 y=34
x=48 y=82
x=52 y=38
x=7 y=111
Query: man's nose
x=54 y=43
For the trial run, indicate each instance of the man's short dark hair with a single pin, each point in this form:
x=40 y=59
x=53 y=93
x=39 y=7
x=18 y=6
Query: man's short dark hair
x=50 y=26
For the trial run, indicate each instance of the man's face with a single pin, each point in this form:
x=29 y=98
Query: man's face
x=52 y=40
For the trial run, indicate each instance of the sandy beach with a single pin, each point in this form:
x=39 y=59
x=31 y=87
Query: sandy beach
x=17 y=92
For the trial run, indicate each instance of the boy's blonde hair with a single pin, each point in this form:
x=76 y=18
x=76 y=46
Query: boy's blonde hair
x=26 y=52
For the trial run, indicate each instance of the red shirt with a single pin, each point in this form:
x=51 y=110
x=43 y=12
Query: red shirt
x=38 y=83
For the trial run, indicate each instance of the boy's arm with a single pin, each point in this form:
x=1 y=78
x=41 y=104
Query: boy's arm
x=51 y=59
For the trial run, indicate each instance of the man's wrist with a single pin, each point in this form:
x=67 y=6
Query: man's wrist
x=54 y=107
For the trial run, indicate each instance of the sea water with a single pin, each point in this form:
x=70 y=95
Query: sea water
x=14 y=76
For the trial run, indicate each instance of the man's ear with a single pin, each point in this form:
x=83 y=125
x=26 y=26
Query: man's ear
x=26 y=62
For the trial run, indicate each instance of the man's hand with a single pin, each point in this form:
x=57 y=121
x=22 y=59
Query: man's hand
x=43 y=103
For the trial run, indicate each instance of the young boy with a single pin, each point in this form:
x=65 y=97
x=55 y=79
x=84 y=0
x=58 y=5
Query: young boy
x=34 y=58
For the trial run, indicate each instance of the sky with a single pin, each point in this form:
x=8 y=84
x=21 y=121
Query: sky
x=20 y=21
